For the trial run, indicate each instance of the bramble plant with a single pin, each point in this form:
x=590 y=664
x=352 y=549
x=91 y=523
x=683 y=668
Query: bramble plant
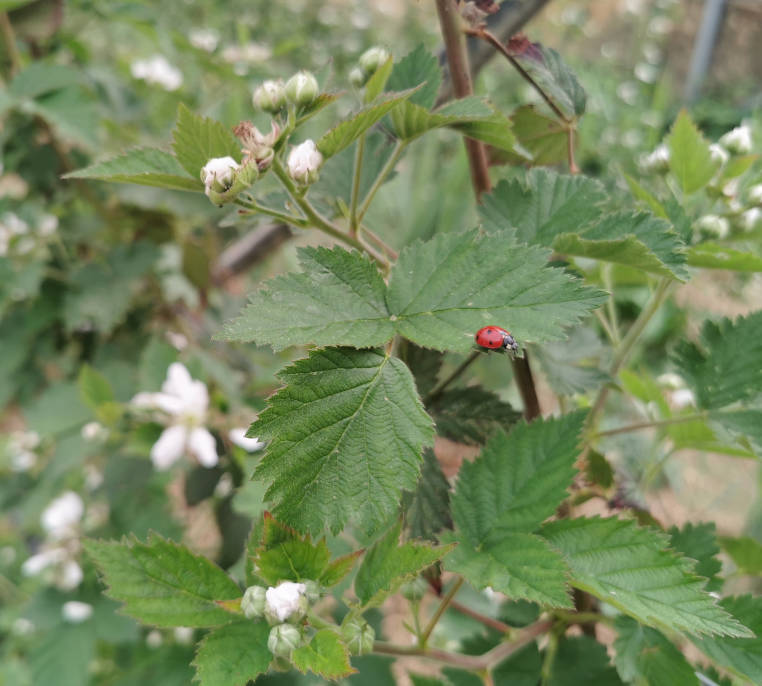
x=351 y=504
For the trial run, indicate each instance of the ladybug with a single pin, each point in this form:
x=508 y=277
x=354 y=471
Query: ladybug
x=494 y=337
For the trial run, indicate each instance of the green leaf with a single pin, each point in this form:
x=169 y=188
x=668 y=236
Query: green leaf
x=347 y=431
x=345 y=133
x=598 y=470
x=143 y=166
x=630 y=568
x=552 y=74
x=726 y=365
x=162 y=583
x=516 y=483
x=94 y=388
x=470 y=415
x=572 y=366
x=546 y=205
x=646 y=197
x=233 y=655
x=689 y=156
x=338 y=298
x=645 y=655
x=634 y=239
x=285 y=555
x=494 y=130
x=425 y=364
x=745 y=552
x=375 y=85
x=62 y=656
x=389 y=563
x=427 y=508
x=582 y=660
x=325 y=655
x=715 y=256
x=39 y=78
x=196 y=140
x=742 y=656
x=744 y=427
x=444 y=290
x=417 y=67
x=543 y=137
x=699 y=542
x=517 y=564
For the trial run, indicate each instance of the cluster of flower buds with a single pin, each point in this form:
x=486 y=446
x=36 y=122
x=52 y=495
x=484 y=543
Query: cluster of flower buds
x=224 y=178
x=368 y=64
x=300 y=90
x=656 y=162
x=738 y=141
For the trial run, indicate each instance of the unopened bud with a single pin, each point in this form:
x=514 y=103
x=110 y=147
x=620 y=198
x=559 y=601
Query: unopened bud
x=312 y=591
x=302 y=89
x=415 y=589
x=713 y=226
x=270 y=96
x=738 y=141
x=359 y=636
x=656 y=161
x=253 y=602
x=751 y=219
x=755 y=194
x=720 y=156
x=357 y=77
x=283 y=640
x=373 y=58
x=304 y=163
x=224 y=178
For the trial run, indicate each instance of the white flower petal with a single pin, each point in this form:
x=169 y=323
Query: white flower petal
x=70 y=577
x=169 y=448
x=144 y=400
x=178 y=380
x=37 y=563
x=76 y=612
x=283 y=599
x=202 y=444
x=171 y=404
x=239 y=438
x=63 y=514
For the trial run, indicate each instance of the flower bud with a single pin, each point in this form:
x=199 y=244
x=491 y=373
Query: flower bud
x=312 y=591
x=719 y=155
x=283 y=639
x=415 y=589
x=302 y=89
x=738 y=141
x=373 y=58
x=304 y=163
x=755 y=194
x=751 y=219
x=657 y=161
x=224 y=178
x=253 y=602
x=713 y=226
x=357 y=77
x=359 y=636
x=270 y=96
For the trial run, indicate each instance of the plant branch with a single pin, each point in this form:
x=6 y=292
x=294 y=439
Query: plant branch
x=457 y=60
x=442 y=385
x=319 y=221
x=424 y=637
x=389 y=165
x=491 y=622
x=488 y=660
x=388 y=250
x=353 y=220
x=253 y=205
x=693 y=417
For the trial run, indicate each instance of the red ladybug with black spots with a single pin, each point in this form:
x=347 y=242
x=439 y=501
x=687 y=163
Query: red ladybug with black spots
x=495 y=337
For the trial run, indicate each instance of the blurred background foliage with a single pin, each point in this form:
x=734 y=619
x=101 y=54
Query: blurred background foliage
x=123 y=280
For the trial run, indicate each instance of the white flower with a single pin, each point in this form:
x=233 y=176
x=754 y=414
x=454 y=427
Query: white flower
x=157 y=70
x=720 y=156
x=14 y=224
x=250 y=52
x=23 y=461
x=304 y=162
x=628 y=92
x=671 y=380
x=284 y=599
x=177 y=340
x=713 y=225
x=683 y=397
x=48 y=225
x=656 y=161
x=94 y=431
x=751 y=219
x=76 y=612
x=647 y=73
x=238 y=437
x=183 y=634
x=218 y=171
x=738 y=141
x=61 y=517
x=67 y=574
x=185 y=401
x=755 y=194
x=204 y=39
x=154 y=639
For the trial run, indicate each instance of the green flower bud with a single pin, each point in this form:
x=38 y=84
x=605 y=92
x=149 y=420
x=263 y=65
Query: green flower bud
x=224 y=178
x=359 y=636
x=270 y=96
x=415 y=589
x=302 y=89
x=357 y=77
x=253 y=602
x=283 y=639
x=373 y=58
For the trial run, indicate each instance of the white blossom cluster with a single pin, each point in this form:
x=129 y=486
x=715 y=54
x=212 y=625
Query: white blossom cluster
x=157 y=71
x=18 y=238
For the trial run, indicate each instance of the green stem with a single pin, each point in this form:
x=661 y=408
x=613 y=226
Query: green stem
x=608 y=284
x=9 y=41
x=319 y=221
x=604 y=322
x=399 y=148
x=440 y=611
x=353 y=220
x=569 y=617
x=550 y=657
x=491 y=622
x=286 y=218
x=694 y=417
x=442 y=385
x=628 y=343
